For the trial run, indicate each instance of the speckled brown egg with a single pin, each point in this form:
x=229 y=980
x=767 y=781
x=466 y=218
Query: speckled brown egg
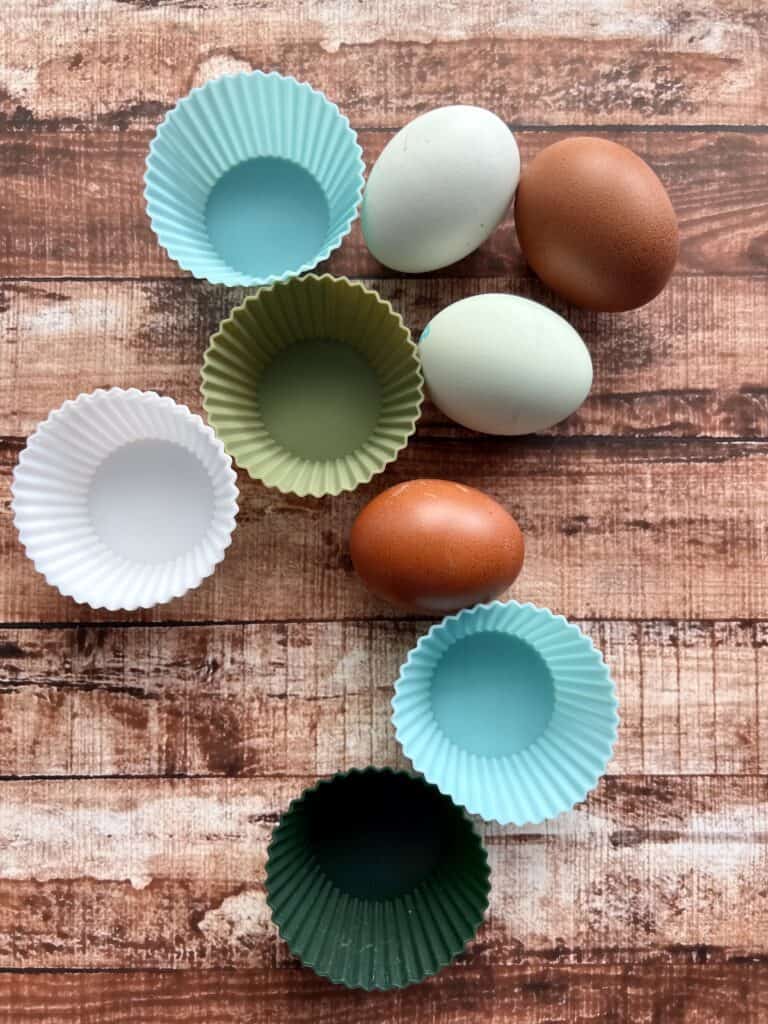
x=433 y=546
x=596 y=224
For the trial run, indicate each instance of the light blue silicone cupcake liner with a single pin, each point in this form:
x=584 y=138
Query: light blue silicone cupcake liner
x=253 y=178
x=508 y=709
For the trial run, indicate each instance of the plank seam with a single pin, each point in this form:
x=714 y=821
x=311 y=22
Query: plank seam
x=756 y=275
x=351 y=620
x=553 y=441
x=131 y=121
x=619 y=778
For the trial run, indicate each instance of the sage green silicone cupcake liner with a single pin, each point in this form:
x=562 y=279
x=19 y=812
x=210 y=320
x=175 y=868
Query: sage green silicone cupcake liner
x=314 y=385
x=375 y=879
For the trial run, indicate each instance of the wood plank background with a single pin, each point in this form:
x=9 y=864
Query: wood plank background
x=145 y=758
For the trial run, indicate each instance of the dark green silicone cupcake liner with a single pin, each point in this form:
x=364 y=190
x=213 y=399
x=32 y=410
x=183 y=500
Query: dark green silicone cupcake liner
x=314 y=385
x=375 y=879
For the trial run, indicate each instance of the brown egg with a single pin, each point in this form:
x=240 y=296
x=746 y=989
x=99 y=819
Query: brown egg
x=434 y=546
x=596 y=224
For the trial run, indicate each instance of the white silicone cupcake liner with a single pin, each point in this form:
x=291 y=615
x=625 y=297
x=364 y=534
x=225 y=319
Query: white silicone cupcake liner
x=124 y=499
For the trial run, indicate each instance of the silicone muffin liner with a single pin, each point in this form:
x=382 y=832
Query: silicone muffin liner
x=124 y=499
x=314 y=385
x=508 y=709
x=375 y=880
x=253 y=178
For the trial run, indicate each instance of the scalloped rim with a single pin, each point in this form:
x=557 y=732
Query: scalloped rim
x=407 y=340
x=371 y=769
x=37 y=437
x=559 y=621
x=237 y=279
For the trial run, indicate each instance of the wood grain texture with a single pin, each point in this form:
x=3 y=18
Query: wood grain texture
x=694 y=993
x=614 y=529
x=555 y=62
x=693 y=362
x=144 y=762
x=89 y=216
x=169 y=873
x=233 y=700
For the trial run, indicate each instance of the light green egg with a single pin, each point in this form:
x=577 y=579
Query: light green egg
x=502 y=364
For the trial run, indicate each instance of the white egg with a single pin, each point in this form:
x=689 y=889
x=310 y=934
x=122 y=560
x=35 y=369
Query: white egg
x=439 y=188
x=502 y=364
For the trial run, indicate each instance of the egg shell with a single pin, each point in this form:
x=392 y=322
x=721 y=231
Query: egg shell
x=434 y=546
x=439 y=188
x=502 y=364
x=596 y=224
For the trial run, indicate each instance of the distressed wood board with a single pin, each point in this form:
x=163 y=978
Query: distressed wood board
x=145 y=758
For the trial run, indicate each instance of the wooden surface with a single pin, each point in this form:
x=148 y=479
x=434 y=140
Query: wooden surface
x=145 y=758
